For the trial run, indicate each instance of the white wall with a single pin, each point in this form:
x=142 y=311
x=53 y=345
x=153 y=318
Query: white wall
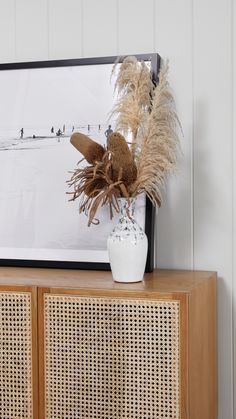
x=196 y=226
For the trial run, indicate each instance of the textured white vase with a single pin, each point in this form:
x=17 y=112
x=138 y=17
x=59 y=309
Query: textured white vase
x=127 y=246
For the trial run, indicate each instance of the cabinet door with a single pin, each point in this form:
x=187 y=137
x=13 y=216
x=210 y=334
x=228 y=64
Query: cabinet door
x=109 y=358
x=18 y=352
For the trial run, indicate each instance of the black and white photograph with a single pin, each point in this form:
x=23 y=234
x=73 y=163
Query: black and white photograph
x=42 y=108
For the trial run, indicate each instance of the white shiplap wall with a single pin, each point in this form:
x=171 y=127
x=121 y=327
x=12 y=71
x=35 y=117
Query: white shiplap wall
x=196 y=225
x=213 y=169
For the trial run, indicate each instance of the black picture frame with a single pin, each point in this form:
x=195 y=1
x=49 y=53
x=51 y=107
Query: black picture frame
x=155 y=61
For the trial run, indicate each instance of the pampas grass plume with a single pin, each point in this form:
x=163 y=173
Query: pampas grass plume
x=160 y=143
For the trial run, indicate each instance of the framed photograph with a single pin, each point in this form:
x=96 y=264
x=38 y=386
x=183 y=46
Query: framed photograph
x=41 y=105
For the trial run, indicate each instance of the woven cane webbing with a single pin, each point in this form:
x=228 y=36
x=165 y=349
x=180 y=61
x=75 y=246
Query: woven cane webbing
x=111 y=358
x=15 y=356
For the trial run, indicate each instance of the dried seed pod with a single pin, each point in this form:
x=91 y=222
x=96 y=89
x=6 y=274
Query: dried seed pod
x=123 y=164
x=91 y=150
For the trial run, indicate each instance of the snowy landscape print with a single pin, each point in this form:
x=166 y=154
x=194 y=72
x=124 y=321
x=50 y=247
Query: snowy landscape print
x=39 y=110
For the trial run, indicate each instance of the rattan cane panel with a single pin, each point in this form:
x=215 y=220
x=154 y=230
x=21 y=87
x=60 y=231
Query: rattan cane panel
x=15 y=356
x=111 y=358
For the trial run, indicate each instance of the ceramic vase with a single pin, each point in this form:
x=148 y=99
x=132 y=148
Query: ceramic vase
x=127 y=245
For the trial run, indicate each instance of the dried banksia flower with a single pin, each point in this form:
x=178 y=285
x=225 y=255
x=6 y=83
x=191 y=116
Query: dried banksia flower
x=91 y=150
x=123 y=165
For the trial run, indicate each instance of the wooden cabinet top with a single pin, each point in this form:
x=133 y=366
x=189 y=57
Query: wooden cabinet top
x=159 y=281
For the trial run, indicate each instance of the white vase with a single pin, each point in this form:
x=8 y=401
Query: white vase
x=127 y=245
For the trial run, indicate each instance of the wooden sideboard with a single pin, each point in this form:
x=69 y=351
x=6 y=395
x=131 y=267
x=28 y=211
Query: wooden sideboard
x=76 y=344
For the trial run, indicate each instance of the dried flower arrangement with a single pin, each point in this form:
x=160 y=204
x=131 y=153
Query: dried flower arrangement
x=144 y=111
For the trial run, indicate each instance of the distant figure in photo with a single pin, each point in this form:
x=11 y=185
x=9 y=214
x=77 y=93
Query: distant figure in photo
x=73 y=128
x=88 y=129
x=108 y=131
x=99 y=127
x=52 y=130
x=63 y=129
x=58 y=134
x=22 y=133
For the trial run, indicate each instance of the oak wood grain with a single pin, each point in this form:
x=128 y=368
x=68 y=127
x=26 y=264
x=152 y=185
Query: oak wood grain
x=202 y=354
x=161 y=280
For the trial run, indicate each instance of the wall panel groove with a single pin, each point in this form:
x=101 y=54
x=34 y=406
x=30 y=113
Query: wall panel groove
x=82 y=25
x=234 y=196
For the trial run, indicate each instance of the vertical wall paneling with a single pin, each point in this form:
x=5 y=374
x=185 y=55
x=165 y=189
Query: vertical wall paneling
x=234 y=189
x=31 y=30
x=65 y=29
x=213 y=170
x=173 y=41
x=136 y=29
x=99 y=28
x=7 y=30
